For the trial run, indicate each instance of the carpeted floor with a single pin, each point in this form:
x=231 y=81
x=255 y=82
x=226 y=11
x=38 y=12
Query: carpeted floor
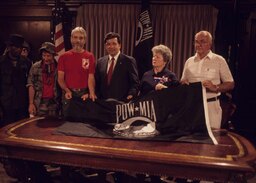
x=88 y=176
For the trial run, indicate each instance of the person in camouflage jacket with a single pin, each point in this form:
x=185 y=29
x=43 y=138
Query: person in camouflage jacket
x=44 y=91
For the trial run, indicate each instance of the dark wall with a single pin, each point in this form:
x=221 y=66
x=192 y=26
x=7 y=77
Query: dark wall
x=236 y=41
x=33 y=22
x=245 y=78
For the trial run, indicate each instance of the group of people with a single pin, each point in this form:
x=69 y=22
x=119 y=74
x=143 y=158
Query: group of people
x=116 y=76
x=46 y=87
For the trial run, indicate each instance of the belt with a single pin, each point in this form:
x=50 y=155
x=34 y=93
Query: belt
x=47 y=99
x=78 y=89
x=213 y=99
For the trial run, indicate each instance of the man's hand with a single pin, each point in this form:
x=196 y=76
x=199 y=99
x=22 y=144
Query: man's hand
x=68 y=95
x=32 y=109
x=129 y=97
x=93 y=97
x=85 y=96
x=210 y=86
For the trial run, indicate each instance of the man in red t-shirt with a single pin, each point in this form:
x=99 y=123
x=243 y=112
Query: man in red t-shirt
x=76 y=69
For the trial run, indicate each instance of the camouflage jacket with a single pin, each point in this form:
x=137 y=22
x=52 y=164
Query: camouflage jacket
x=35 y=79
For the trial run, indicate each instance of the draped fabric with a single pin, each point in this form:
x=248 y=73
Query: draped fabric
x=176 y=25
x=99 y=19
x=171 y=114
x=173 y=26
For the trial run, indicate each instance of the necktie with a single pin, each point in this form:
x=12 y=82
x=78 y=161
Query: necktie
x=110 y=70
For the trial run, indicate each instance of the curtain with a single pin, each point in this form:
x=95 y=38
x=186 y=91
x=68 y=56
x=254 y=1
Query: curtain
x=176 y=25
x=173 y=26
x=99 y=19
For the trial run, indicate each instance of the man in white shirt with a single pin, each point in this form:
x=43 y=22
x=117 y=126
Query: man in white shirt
x=213 y=71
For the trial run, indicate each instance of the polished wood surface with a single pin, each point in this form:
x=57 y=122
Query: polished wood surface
x=35 y=139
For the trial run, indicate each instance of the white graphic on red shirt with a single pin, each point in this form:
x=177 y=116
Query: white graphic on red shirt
x=85 y=63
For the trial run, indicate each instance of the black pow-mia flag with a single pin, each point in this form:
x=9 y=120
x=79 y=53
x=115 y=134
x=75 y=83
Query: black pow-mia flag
x=176 y=113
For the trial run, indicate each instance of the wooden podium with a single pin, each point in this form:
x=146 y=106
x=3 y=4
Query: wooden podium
x=34 y=139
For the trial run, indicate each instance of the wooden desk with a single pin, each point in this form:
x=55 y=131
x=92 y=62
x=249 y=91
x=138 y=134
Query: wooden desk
x=33 y=139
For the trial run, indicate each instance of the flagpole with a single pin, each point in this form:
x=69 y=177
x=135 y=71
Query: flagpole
x=56 y=10
x=58 y=32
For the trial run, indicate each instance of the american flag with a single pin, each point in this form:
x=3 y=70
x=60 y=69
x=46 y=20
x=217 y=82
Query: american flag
x=58 y=35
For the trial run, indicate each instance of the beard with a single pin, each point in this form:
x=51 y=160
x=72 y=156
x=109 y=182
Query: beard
x=14 y=54
x=78 y=46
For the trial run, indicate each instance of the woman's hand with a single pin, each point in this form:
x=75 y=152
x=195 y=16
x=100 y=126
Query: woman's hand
x=160 y=86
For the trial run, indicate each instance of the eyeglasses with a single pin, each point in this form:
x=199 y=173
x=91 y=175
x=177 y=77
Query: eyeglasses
x=201 y=42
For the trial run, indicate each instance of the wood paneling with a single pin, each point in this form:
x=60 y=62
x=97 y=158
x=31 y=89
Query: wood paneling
x=33 y=22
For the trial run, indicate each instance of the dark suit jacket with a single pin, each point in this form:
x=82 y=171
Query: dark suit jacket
x=124 y=82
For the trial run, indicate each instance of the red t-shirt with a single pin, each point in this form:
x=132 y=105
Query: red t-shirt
x=48 y=91
x=48 y=76
x=77 y=67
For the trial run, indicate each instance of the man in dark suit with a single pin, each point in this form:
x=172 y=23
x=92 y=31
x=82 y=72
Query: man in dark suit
x=116 y=77
x=116 y=73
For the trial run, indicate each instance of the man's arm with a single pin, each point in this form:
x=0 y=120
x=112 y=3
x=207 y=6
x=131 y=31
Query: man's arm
x=97 y=79
x=223 y=87
x=91 y=86
x=62 y=83
x=31 y=95
x=134 y=79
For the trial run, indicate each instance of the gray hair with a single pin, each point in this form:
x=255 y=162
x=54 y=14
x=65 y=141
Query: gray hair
x=206 y=34
x=79 y=29
x=164 y=51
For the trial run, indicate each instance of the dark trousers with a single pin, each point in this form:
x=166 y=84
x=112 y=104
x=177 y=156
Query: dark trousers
x=48 y=107
x=75 y=93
